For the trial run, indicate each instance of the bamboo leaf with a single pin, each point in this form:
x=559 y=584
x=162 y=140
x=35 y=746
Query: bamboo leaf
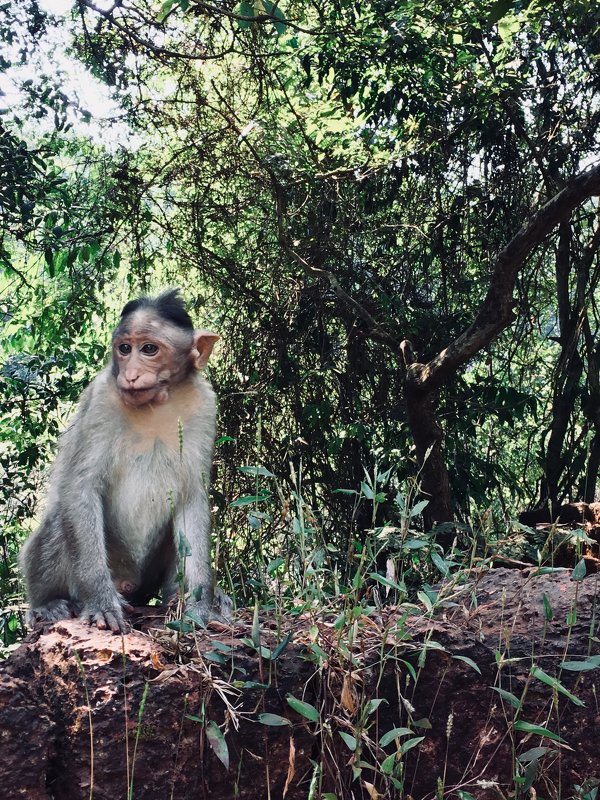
x=350 y=740
x=554 y=683
x=508 y=696
x=216 y=740
x=395 y=733
x=468 y=661
x=273 y=719
x=538 y=730
x=305 y=709
x=592 y=662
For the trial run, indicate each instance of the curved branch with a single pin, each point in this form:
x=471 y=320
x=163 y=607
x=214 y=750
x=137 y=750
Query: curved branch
x=496 y=311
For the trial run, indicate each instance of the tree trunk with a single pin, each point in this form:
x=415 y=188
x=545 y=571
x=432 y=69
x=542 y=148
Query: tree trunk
x=428 y=437
x=495 y=314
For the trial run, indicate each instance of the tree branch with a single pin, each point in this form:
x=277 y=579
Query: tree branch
x=496 y=311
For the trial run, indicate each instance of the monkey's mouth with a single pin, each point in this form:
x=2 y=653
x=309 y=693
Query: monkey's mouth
x=139 y=397
x=136 y=398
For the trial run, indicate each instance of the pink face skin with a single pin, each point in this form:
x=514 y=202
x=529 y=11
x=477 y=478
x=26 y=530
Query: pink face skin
x=149 y=355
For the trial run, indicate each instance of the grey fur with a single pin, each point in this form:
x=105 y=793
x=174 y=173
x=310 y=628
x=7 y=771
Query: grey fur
x=126 y=482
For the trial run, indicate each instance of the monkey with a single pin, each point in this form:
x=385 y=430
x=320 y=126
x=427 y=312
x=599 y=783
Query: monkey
x=128 y=491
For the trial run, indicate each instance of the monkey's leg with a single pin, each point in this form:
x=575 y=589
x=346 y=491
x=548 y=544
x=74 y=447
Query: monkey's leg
x=43 y=562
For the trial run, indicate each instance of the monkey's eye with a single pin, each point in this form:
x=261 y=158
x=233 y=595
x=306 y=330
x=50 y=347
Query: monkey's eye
x=125 y=349
x=150 y=349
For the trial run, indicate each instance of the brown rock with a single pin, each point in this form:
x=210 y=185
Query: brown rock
x=86 y=713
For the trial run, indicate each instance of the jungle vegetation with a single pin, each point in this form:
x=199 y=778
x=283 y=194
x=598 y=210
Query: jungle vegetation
x=388 y=211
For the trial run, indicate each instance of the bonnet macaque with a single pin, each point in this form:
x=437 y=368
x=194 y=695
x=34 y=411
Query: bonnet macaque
x=131 y=479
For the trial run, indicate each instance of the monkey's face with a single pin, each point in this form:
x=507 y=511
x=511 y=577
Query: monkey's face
x=149 y=356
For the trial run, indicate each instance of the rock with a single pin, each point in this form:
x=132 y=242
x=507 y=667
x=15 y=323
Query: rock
x=87 y=713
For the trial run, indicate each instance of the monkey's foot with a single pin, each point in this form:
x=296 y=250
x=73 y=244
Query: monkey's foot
x=52 y=611
x=220 y=611
x=223 y=605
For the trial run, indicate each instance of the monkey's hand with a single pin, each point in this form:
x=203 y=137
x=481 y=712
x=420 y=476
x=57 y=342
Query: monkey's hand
x=106 y=611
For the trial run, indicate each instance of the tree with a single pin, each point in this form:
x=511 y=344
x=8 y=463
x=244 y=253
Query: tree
x=369 y=163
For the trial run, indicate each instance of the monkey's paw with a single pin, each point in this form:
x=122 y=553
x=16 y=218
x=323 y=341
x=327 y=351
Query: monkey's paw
x=106 y=615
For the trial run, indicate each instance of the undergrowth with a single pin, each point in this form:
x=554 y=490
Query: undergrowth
x=364 y=612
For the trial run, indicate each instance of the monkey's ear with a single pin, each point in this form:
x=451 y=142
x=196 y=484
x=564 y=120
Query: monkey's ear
x=204 y=341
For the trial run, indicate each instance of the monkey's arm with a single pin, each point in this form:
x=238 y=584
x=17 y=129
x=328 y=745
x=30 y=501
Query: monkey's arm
x=92 y=586
x=79 y=482
x=193 y=519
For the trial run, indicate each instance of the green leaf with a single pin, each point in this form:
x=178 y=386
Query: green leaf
x=350 y=740
x=548 y=613
x=165 y=9
x=281 y=646
x=49 y=259
x=262 y=471
x=190 y=614
x=415 y=544
x=410 y=743
x=273 y=719
x=534 y=754
x=256 y=625
x=508 y=26
x=418 y=508
x=498 y=10
x=592 y=662
x=373 y=705
x=439 y=563
x=395 y=733
x=579 y=571
x=538 y=730
x=468 y=661
x=216 y=740
x=274 y=565
x=547 y=570
x=279 y=23
x=216 y=658
x=248 y=500
x=305 y=709
x=426 y=600
x=422 y=723
x=386 y=581
x=244 y=9
x=388 y=764
x=555 y=684
x=225 y=439
x=366 y=491
x=222 y=646
x=508 y=696
x=180 y=626
x=339 y=621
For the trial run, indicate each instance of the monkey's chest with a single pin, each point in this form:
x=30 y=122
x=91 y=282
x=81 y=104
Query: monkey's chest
x=143 y=490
